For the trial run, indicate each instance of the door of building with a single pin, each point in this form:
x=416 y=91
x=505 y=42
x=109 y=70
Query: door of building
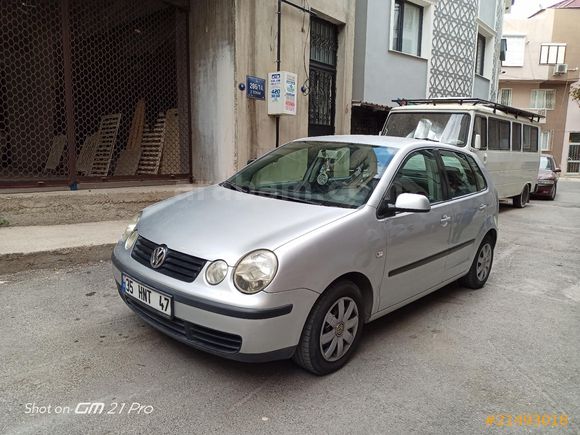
x=322 y=80
x=574 y=153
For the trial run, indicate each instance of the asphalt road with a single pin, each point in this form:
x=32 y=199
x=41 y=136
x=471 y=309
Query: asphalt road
x=439 y=365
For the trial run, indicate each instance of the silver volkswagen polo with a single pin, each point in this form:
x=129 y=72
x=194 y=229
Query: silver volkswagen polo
x=291 y=256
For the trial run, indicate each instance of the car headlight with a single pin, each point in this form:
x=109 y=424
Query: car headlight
x=255 y=271
x=131 y=240
x=546 y=181
x=131 y=227
x=216 y=272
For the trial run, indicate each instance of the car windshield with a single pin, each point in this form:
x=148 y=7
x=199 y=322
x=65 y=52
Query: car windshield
x=546 y=163
x=313 y=172
x=449 y=128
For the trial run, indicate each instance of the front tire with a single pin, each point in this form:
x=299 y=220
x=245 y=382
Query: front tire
x=333 y=329
x=481 y=266
x=553 y=193
x=523 y=198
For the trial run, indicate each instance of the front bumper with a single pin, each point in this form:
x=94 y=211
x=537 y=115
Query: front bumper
x=267 y=328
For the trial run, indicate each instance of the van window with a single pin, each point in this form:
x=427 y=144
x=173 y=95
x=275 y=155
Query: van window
x=530 y=138
x=461 y=179
x=516 y=136
x=499 y=134
x=480 y=128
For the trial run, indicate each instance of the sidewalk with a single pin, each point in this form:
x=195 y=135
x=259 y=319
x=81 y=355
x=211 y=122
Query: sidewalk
x=35 y=247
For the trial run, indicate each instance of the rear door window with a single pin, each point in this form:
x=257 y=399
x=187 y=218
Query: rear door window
x=461 y=179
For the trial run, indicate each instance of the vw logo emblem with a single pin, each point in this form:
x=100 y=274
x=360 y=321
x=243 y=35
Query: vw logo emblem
x=158 y=257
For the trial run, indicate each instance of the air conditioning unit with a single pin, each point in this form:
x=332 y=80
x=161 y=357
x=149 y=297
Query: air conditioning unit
x=560 y=68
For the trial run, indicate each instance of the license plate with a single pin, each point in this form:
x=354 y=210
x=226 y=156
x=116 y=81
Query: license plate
x=160 y=302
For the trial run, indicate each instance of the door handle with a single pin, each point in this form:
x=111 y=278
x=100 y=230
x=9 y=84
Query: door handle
x=445 y=220
x=482 y=206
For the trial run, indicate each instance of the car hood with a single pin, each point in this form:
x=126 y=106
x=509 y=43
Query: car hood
x=218 y=223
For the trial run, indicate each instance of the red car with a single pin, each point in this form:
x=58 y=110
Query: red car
x=547 y=178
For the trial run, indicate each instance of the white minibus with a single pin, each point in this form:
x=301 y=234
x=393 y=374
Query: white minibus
x=505 y=138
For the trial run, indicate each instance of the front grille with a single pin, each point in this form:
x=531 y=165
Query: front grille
x=197 y=335
x=176 y=265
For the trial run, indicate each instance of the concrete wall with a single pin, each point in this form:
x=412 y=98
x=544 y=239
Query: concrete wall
x=255 y=34
x=387 y=74
x=538 y=30
x=481 y=88
x=360 y=50
x=212 y=53
x=572 y=126
x=487 y=9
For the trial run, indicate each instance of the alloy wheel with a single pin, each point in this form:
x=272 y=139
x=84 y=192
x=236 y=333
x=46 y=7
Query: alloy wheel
x=484 y=261
x=339 y=329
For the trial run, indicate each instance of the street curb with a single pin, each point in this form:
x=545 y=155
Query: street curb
x=13 y=263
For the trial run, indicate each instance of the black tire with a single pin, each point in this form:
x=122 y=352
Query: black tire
x=474 y=280
x=523 y=198
x=309 y=354
x=553 y=193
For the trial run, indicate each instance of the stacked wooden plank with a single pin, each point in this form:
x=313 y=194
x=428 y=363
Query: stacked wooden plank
x=152 y=147
x=55 y=154
x=171 y=159
x=87 y=155
x=128 y=161
x=108 y=130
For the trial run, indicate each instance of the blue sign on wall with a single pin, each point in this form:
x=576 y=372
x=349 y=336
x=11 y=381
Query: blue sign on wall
x=256 y=87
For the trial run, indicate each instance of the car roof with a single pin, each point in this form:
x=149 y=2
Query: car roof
x=376 y=140
x=382 y=141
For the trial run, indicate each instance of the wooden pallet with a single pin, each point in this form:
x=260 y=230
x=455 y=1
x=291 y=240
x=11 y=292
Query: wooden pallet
x=171 y=158
x=128 y=161
x=87 y=154
x=137 y=125
x=55 y=154
x=152 y=147
x=107 y=140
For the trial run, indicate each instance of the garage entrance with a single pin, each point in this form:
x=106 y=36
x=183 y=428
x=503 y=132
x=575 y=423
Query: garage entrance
x=93 y=91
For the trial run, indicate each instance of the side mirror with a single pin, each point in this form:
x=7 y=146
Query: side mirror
x=412 y=202
x=558 y=170
x=477 y=142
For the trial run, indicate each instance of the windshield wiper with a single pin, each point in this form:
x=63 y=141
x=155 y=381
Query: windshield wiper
x=428 y=139
x=229 y=185
x=280 y=196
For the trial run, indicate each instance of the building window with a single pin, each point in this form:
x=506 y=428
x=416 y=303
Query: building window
x=543 y=99
x=505 y=97
x=551 y=54
x=407 y=27
x=545 y=140
x=514 y=55
x=480 y=54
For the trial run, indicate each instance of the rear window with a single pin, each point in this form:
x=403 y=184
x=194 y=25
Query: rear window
x=530 y=138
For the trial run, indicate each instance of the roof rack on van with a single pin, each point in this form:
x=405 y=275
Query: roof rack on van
x=473 y=101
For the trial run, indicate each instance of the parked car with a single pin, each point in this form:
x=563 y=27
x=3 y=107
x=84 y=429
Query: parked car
x=291 y=256
x=548 y=176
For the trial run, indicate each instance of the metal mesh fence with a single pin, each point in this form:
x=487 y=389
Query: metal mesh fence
x=128 y=90
x=32 y=119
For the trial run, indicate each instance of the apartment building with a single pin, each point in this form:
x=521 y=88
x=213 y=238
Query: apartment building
x=423 y=49
x=541 y=65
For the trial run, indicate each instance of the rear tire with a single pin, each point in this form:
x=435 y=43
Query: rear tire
x=332 y=331
x=523 y=198
x=481 y=266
